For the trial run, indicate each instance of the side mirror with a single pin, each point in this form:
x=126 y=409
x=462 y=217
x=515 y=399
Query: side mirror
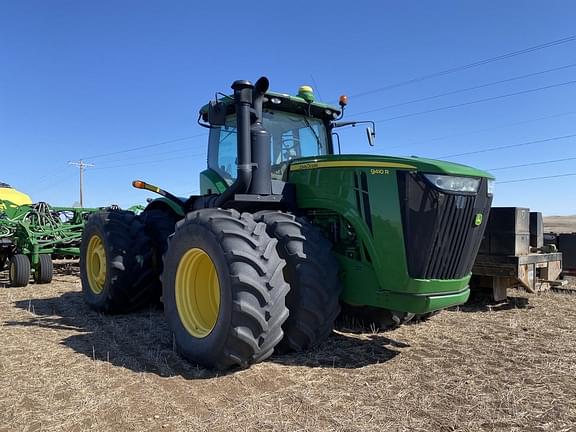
x=216 y=113
x=371 y=136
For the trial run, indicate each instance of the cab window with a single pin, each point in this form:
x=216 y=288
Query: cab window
x=292 y=136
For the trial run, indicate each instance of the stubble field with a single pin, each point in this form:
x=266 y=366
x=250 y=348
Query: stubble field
x=508 y=366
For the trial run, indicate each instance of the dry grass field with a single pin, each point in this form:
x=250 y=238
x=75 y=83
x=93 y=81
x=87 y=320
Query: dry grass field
x=486 y=367
x=560 y=224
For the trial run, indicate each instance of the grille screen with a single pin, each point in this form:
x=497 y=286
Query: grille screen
x=440 y=235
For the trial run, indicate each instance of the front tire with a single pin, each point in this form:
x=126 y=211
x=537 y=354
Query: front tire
x=116 y=263
x=223 y=289
x=312 y=273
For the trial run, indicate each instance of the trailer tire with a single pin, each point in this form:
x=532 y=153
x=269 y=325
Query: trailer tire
x=45 y=269
x=312 y=273
x=19 y=270
x=235 y=316
x=116 y=263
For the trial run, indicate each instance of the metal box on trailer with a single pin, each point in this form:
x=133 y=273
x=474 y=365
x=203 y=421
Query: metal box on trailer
x=507 y=232
x=567 y=245
x=536 y=230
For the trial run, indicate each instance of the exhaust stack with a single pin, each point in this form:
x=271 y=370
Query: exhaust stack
x=253 y=142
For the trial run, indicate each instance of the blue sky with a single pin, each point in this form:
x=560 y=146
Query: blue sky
x=82 y=79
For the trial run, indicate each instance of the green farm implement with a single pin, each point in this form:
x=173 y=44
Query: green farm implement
x=285 y=231
x=32 y=234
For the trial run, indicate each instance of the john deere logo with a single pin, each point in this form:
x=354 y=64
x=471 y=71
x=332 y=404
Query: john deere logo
x=478 y=219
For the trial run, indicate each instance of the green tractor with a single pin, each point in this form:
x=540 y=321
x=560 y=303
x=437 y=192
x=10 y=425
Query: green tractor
x=287 y=230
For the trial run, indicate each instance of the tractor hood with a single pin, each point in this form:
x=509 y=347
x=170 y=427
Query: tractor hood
x=409 y=163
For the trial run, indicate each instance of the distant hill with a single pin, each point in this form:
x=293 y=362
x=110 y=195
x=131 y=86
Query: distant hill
x=560 y=224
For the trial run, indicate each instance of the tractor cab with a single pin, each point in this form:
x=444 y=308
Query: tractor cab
x=298 y=127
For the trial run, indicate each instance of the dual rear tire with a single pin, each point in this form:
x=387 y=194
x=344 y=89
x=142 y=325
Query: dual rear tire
x=116 y=262
x=312 y=273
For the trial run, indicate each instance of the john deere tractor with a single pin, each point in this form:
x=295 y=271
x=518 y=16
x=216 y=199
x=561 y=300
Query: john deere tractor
x=287 y=230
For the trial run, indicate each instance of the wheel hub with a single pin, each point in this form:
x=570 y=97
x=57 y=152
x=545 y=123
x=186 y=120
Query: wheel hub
x=96 y=264
x=197 y=292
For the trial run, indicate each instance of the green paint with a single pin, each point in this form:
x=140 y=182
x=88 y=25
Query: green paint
x=38 y=229
x=421 y=164
x=211 y=183
x=478 y=219
x=166 y=204
x=380 y=277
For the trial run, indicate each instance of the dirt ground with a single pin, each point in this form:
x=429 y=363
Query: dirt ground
x=503 y=367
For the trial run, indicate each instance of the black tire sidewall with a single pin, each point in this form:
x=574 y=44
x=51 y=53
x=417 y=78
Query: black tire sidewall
x=22 y=270
x=93 y=299
x=190 y=236
x=45 y=269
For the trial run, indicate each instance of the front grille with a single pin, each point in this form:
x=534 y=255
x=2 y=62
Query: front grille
x=440 y=235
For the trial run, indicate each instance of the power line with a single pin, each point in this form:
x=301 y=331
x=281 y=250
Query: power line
x=445 y=137
x=145 y=146
x=537 y=178
x=58 y=180
x=477 y=101
x=453 y=92
x=154 y=155
x=532 y=164
x=469 y=65
x=509 y=146
x=140 y=163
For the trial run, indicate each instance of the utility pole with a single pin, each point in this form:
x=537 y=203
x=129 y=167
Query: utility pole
x=81 y=164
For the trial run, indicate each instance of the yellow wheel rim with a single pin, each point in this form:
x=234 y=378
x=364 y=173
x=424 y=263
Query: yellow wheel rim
x=96 y=264
x=197 y=291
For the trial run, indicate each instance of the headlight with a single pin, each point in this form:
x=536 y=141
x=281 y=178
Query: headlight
x=453 y=183
x=491 y=186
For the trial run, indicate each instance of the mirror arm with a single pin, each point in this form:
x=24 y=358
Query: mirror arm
x=337 y=139
x=353 y=123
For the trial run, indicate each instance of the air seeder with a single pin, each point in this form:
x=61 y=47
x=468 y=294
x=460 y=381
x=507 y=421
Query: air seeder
x=286 y=231
x=32 y=234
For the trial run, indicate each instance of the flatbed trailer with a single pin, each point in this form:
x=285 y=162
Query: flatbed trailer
x=534 y=272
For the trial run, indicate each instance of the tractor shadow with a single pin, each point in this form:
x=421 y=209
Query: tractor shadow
x=482 y=301
x=143 y=343
x=4 y=279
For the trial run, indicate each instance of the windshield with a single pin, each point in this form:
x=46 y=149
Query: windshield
x=292 y=136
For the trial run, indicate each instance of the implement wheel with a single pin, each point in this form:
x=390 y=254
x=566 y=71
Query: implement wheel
x=312 y=272
x=19 y=270
x=45 y=269
x=116 y=262
x=223 y=289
